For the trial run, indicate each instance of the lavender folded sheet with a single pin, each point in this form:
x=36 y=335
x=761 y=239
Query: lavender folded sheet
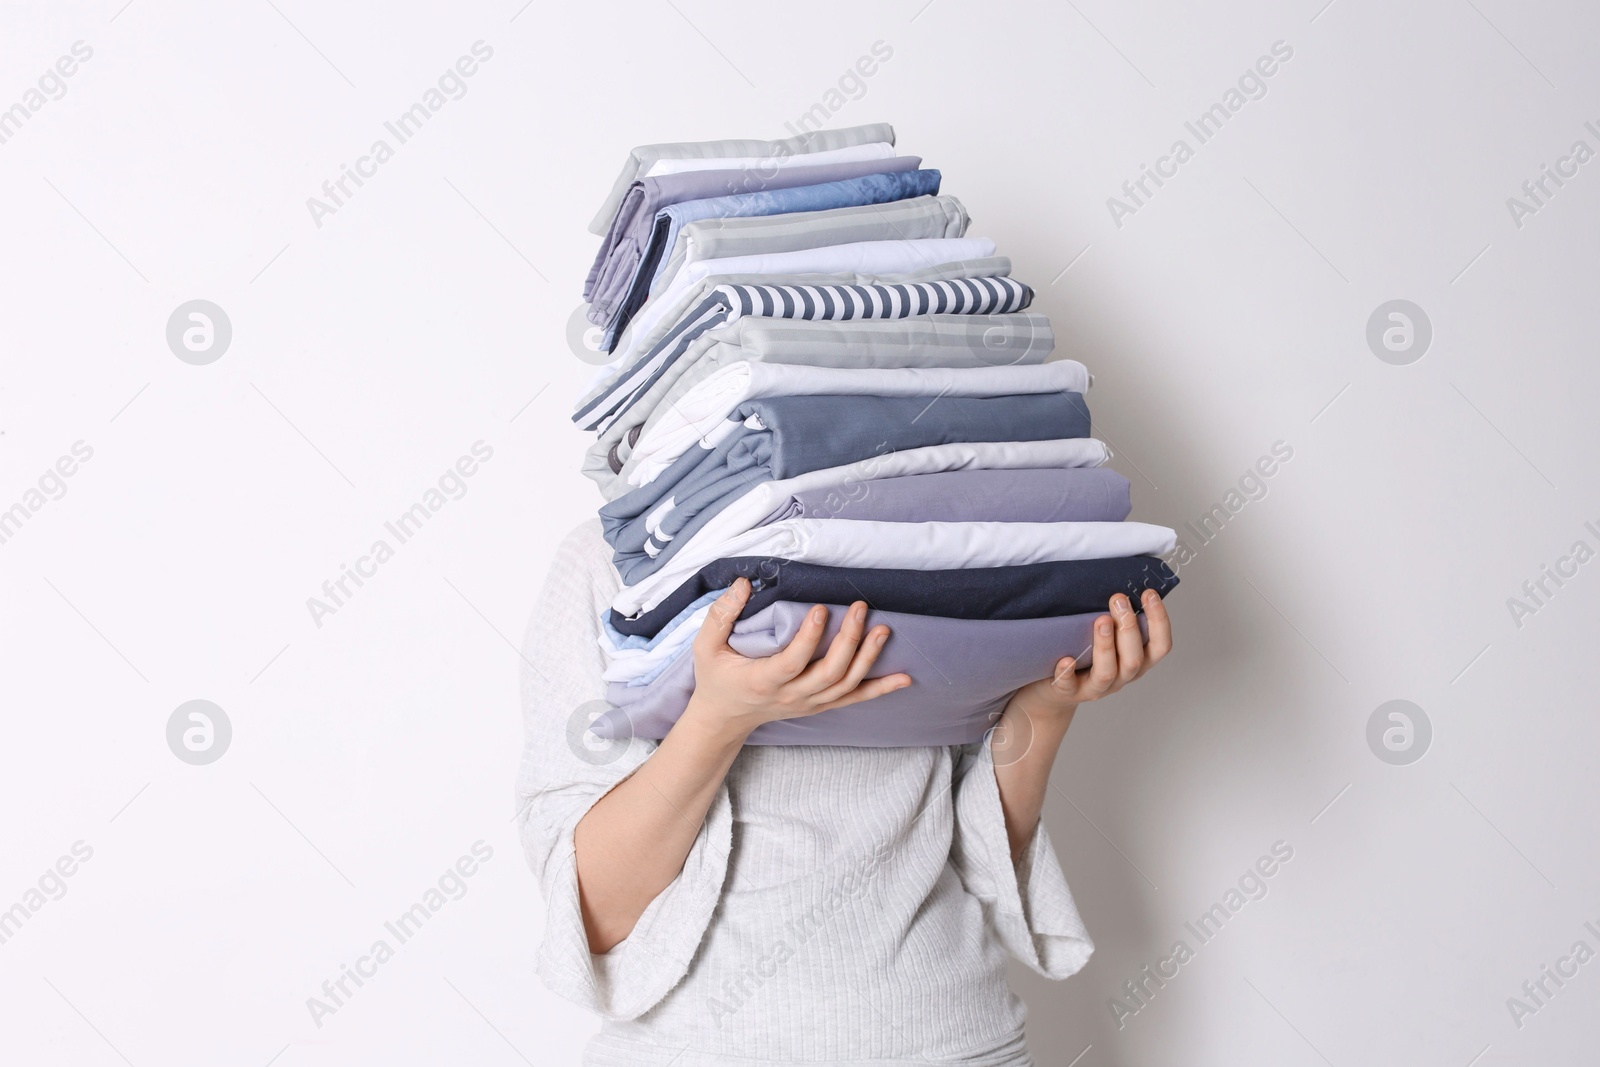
x=962 y=672
x=1022 y=494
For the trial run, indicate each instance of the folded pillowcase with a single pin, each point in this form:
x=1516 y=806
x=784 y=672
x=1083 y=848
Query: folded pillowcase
x=706 y=539
x=962 y=673
x=782 y=437
x=1026 y=591
x=703 y=413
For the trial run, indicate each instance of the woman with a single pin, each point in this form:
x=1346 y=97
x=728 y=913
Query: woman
x=727 y=905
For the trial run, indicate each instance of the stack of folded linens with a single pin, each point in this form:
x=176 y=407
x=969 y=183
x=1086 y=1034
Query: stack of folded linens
x=820 y=383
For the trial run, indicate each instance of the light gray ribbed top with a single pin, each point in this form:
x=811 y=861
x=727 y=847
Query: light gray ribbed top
x=841 y=906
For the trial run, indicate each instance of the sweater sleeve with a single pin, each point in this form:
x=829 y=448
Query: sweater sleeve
x=565 y=770
x=1027 y=905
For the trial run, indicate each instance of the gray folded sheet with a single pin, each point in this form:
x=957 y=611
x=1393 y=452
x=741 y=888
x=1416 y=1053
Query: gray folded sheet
x=998 y=340
x=1023 y=334
x=962 y=673
x=919 y=218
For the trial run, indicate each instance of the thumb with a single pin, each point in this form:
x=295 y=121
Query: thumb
x=1065 y=679
x=718 y=625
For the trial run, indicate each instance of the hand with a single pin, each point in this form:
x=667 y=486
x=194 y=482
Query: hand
x=1120 y=656
x=735 y=693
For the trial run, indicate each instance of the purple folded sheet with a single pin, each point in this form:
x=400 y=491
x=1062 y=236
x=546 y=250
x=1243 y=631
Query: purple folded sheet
x=962 y=673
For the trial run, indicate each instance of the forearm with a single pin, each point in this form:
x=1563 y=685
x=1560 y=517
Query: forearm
x=633 y=842
x=1024 y=748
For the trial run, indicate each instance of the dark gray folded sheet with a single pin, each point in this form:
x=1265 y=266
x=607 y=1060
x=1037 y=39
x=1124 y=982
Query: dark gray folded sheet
x=799 y=434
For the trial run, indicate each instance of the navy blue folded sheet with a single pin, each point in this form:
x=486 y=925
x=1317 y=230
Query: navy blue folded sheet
x=1030 y=591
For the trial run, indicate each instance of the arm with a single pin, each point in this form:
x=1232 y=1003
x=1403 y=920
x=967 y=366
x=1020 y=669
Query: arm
x=633 y=842
x=1036 y=718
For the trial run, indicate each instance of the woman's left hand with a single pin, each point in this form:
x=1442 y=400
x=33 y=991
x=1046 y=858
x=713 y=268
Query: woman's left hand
x=1120 y=656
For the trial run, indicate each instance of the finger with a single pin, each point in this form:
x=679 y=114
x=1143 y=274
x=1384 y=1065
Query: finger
x=1067 y=678
x=825 y=672
x=1130 y=642
x=1155 y=613
x=718 y=624
x=798 y=652
x=869 y=690
x=865 y=656
x=1103 y=671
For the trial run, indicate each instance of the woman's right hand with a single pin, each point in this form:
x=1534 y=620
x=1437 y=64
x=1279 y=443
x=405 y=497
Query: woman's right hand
x=735 y=693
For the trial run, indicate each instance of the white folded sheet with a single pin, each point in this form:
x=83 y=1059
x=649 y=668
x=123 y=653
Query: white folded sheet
x=937 y=546
x=769 y=164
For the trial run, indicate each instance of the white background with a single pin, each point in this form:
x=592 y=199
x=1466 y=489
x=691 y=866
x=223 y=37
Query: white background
x=430 y=312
